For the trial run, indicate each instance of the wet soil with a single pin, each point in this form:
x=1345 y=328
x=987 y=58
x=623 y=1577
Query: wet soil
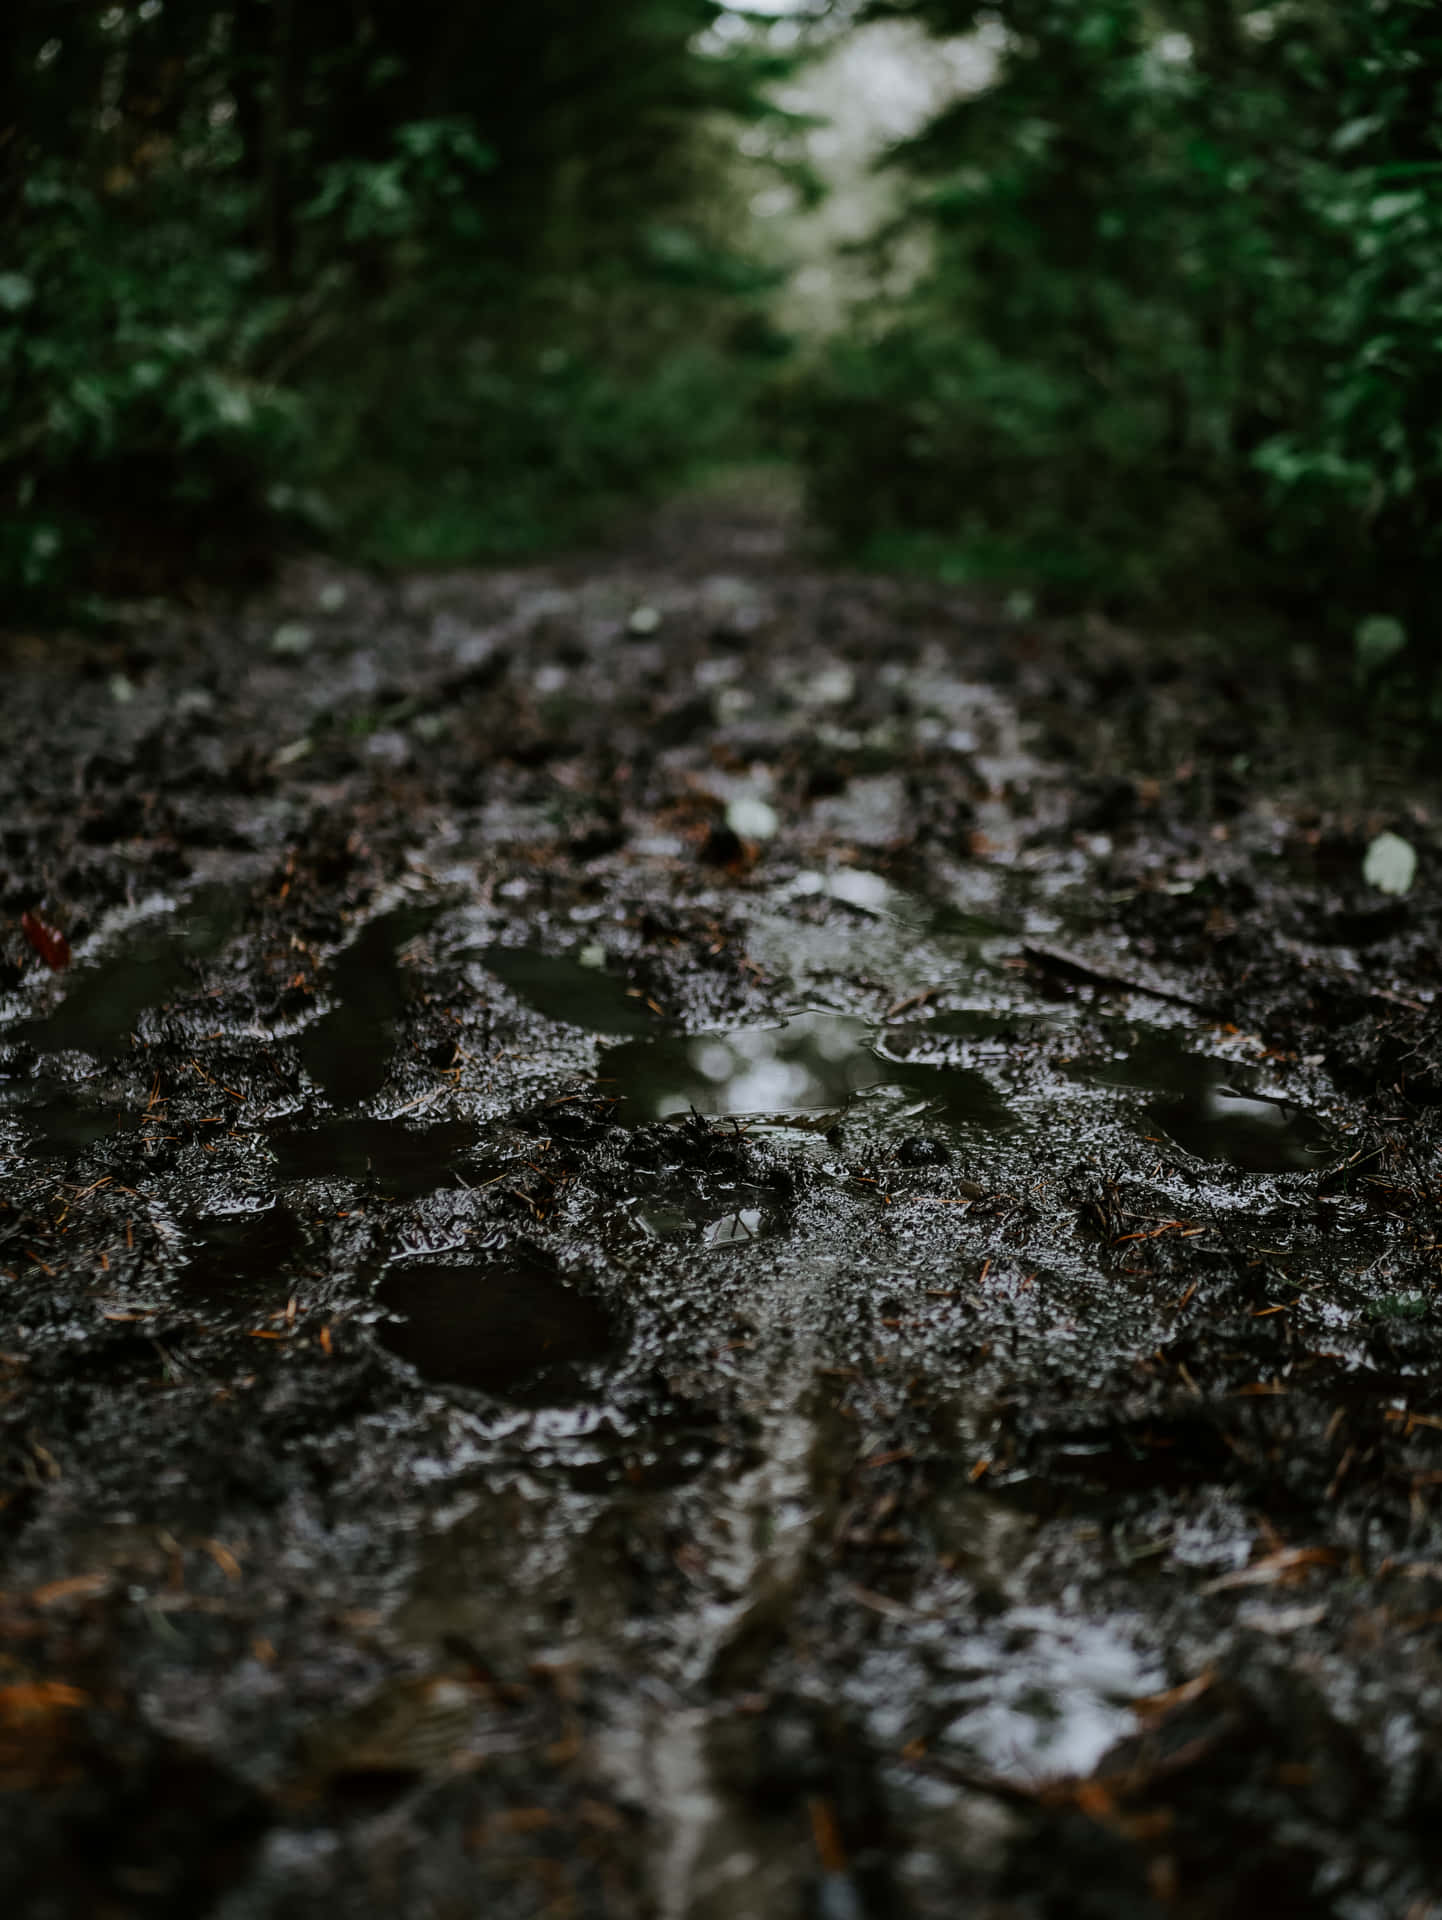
x=694 y=1237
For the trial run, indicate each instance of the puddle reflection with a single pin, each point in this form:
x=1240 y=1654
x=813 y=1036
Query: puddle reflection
x=736 y=1229
x=105 y=998
x=1215 y=1122
x=1042 y=1695
x=814 y=1063
x=563 y=987
x=1207 y=1108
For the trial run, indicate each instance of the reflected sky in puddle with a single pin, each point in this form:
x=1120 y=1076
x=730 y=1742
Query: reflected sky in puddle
x=1044 y=1696
x=517 y=1331
x=723 y=1214
x=1206 y=1106
x=1216 y=1122
x=812 y=1064
x=736 y=1229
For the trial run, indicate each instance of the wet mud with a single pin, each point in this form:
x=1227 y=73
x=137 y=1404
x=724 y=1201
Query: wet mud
x=697 y=1239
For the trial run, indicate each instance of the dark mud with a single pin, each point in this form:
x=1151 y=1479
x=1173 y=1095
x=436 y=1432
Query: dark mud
x=698 y=1239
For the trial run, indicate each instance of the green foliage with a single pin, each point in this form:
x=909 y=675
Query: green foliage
x=436 y=283
x=490 y=457
x=1180 y=332
x=1399 y=1306
x=131 y=362
x=1378 y=640
x=419 y=192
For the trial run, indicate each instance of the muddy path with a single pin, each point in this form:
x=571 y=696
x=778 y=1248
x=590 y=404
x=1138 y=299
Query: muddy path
x=694 y=1238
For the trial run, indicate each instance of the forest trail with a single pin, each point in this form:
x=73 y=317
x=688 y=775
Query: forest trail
x=694 y=1236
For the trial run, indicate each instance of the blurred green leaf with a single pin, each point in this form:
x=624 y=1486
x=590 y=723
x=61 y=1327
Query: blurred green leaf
x=1378 y=639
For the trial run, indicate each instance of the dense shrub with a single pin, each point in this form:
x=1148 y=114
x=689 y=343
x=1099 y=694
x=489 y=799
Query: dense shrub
x=1179 y=337
x=436 y=282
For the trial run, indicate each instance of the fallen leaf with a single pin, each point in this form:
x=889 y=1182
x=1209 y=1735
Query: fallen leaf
x=1160 y=1704
x=1284 y=1565
x=49 y=942
x=79 y=1586
x=32 y=1700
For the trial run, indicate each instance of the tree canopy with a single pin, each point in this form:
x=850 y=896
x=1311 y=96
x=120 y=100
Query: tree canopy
x=443 y=283
x=437 y=280
x=1181 y=332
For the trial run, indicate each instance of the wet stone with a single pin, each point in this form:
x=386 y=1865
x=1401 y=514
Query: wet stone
x=814 y=1063
x=516 y=1331
x=922 y=1150
x=384 y=1153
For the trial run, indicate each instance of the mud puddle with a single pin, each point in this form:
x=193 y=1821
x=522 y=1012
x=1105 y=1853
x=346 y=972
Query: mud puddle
x=386 y=1154
x=1210 y=1108
x=516 y=1331
x=574 y=989
x=811 y=1065
x=138 y=971
x=58 y=1121
x=347 y=1051
x=242 y=1258
x=724 y=1214
x=967 y=1445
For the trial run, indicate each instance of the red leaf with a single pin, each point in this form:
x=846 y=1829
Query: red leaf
x=49 y=942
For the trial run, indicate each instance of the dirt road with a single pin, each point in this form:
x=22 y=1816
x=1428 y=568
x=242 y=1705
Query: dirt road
x=697 y=1238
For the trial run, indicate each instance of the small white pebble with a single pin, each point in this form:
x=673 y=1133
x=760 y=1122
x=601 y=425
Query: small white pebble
x=752 y=819
x=390 y=746
x=1390 y=864
x=291 y=639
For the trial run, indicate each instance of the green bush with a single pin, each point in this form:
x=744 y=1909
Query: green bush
x=1179 y=337
x=445 y=285
x=131 y=370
